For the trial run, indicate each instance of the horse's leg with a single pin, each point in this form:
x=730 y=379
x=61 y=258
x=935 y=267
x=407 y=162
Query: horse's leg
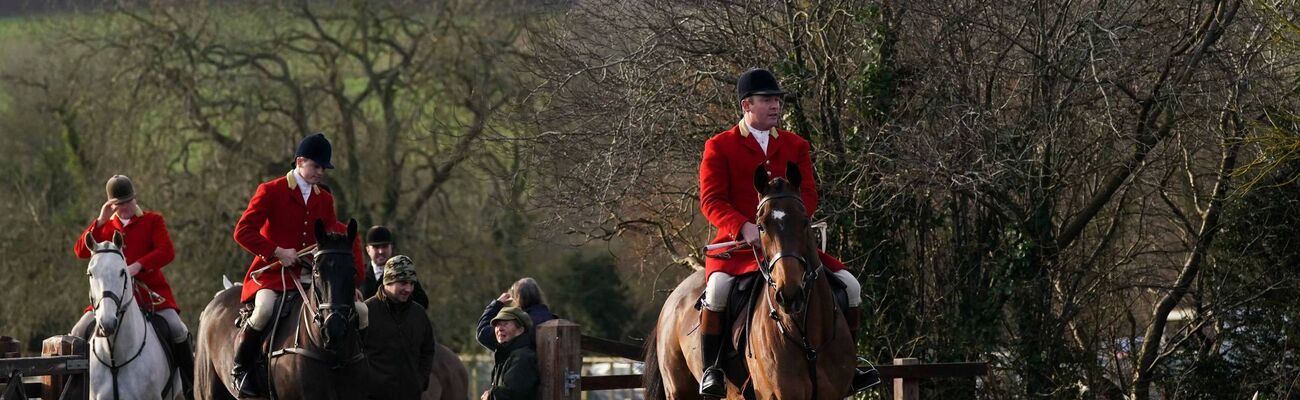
x=207 y=382
x=100 y=377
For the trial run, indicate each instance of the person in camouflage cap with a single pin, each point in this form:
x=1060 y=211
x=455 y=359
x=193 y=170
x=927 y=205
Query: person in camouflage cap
x=399 y=341
x=399 y=269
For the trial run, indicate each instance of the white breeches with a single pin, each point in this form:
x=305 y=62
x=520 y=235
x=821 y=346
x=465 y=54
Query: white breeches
x=719 y=287
x=177 y=327
x=264 y=310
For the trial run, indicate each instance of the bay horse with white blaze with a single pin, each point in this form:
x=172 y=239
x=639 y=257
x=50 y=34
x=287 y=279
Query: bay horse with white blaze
x=798 y=347
x=127 y=358
x=315 y=352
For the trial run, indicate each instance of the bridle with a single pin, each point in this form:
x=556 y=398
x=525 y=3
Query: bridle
x=122 y=305
x=766 y=265
x=810 y=274
x=313 y=311
x=347 y=310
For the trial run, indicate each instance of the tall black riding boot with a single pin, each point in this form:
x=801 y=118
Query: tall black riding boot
x=861 y=379
x=184 y=358
x=714 y=383
x=247 y=351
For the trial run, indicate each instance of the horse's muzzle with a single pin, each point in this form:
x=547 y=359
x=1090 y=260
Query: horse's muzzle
x=334 y=329
x=107 y=325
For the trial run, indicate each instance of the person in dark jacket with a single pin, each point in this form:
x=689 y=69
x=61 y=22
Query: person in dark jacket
x=399 y=342
x=514 y=371
x=379 y=246
x=523 y=294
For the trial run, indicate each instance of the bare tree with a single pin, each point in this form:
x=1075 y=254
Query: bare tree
x=1014 y=168
x=199 y=102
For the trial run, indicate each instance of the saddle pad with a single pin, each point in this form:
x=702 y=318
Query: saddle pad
x=164 y=333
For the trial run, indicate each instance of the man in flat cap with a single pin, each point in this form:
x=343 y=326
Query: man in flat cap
x=379 y=246
x=399 y=341
x=730 y=203
x=514 y=370
x=278 y=223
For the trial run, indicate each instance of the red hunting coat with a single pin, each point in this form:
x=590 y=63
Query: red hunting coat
x=727 y=195
x=277 y=217
x=145 y=240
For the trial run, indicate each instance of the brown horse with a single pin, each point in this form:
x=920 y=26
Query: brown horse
x=319 y=359
x=450 y=379
x=797 y=348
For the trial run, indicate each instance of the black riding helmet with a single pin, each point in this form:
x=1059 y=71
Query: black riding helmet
x=316 y=148
x=757 y=81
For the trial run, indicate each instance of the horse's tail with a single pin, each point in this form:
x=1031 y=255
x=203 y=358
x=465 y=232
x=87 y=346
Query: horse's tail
x=651 y=378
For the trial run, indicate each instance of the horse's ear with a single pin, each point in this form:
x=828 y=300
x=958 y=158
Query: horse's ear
x=90 y=242
x=117 y=239
x=352 y=230
x=320 y=230
x=760 y=180
x=792 y=174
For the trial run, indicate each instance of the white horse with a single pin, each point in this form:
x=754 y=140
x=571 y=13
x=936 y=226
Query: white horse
x=127 y=360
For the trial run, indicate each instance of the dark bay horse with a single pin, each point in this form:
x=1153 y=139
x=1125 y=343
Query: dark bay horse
x=798 y=346
x=319 y=359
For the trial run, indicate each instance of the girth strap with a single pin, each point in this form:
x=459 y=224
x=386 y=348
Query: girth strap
x=316 y=355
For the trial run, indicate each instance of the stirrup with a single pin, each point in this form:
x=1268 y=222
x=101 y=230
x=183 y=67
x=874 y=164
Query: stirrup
x=714 y=383
x=244 y=385
x=863 y=380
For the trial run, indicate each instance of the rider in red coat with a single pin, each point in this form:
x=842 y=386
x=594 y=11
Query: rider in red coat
x=729 y=201
x=278 y=223
x=147 y=248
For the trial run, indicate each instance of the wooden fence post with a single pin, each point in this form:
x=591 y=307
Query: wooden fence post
x=10 y=347
x=906 y=389
x=559 y=359
x=52 y=386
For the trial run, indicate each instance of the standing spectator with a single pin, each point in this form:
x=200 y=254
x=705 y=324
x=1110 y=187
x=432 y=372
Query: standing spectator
x=379 y=246
x=523 y=294
x=399 y=341
x=514 y=371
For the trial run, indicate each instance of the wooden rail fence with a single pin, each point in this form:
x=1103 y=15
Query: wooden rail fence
x=560 y=345
x=63 y=366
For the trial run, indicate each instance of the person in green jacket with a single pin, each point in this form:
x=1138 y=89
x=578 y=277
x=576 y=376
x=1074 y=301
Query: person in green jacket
x=514 y=374
x=399 y=341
